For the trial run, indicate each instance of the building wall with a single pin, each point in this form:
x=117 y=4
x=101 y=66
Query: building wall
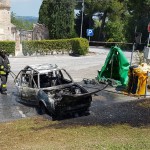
x=9 y=32
x=5 y=21
x=40 y=32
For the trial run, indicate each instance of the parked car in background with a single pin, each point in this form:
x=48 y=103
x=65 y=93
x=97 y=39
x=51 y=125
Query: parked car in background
x=53 y=90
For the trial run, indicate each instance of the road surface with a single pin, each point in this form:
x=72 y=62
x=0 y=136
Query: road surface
x=78 y=67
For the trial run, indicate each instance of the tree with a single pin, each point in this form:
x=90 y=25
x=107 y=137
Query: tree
x=21 y=24
x=58 y=15
x=111 y=15
x=139 y=17
x=87 y=23
x=117 y=19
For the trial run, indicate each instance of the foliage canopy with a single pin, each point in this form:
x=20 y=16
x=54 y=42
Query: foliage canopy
x=20 y=23
x=112 y=20
x=58 y=15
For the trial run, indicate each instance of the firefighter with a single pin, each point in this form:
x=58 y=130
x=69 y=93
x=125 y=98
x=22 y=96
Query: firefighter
x=4 y=71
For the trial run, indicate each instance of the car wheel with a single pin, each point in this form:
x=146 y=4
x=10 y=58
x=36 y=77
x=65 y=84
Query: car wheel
x=42 y=110
x=54 y=117
x=84 y=113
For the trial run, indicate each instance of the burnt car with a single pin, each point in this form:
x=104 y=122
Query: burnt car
x=53 y=90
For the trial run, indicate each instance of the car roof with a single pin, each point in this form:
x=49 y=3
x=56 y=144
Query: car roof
x=43 y=68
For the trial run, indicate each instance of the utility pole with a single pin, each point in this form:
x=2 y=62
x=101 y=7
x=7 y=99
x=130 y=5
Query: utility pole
x=81 y=30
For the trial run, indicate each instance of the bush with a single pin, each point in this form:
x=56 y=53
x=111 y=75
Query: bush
x=76 y=46
x=80 y=46
x=8 y=46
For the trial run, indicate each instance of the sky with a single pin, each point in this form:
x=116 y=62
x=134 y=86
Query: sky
x=26 y=7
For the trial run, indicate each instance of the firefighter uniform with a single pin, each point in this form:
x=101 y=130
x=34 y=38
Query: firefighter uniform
x=4 y=71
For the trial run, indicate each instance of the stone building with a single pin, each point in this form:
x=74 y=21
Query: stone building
x=40 y=32
x=7 y=30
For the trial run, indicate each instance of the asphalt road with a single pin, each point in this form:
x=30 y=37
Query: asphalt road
x=78 y=67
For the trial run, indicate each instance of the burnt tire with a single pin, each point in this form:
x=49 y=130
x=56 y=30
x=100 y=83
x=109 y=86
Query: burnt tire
x=84 y=113
x=54 y=117
x=42 y=109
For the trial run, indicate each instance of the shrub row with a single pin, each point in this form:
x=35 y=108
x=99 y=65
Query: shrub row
x=8 y=46
x=80 y=46
x=77 y=46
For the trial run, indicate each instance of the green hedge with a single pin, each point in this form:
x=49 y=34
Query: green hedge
x=80 y=46
x=8 y=46
x=76 y=46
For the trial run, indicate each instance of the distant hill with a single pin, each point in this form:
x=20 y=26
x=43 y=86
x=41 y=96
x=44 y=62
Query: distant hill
x=28 y=18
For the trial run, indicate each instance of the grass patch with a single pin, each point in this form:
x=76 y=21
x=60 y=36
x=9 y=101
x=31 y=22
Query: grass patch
x=42 y=134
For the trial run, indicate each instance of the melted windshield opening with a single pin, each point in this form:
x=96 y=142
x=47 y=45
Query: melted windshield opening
x=54 y=78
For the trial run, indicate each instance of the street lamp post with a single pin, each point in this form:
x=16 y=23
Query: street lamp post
x=81 y=30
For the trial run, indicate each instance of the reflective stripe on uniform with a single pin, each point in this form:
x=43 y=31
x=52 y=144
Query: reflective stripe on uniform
x=4 y=85
x=2 y=72
x=8 y=65
x=2 y=67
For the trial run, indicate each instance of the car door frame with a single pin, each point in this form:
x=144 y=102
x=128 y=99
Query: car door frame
x=27 y=92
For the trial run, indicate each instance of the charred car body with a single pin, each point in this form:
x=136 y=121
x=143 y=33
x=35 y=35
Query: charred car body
x=53 y=90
